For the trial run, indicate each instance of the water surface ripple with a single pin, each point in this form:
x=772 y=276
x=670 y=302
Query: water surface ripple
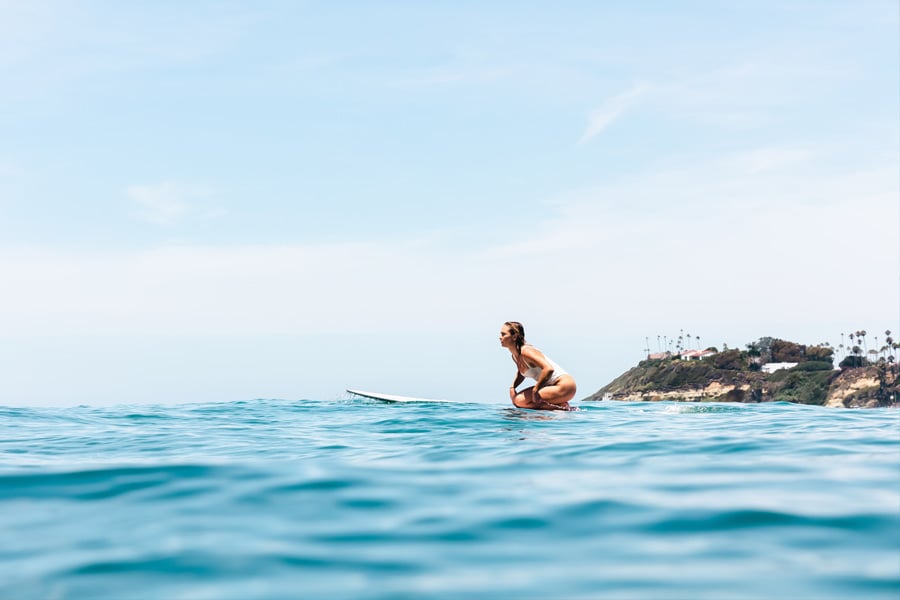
x=362 y=499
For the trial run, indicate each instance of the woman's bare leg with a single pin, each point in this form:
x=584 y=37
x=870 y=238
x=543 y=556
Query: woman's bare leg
x=560 y=392
x=552 y=397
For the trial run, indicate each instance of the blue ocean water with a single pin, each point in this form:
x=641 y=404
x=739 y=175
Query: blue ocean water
x=363 y=499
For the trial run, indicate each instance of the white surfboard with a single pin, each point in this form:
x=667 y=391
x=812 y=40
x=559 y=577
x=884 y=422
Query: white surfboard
x=392 y=397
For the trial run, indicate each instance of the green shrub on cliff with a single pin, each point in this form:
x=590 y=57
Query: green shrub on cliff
x=814 y=365
x=852 y=361
x=686 y=373
x=801 y=386
x=731 y=360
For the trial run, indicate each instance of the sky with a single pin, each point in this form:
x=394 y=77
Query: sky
x=219 y=201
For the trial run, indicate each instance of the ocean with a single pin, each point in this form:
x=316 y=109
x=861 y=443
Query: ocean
x=352 y=498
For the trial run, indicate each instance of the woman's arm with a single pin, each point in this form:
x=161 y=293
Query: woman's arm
x=537 y=358
x=512 y=389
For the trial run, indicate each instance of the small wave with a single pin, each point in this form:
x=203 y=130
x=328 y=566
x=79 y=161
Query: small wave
x=266 y=498
x=694 y=521
x=96 y=484
x=688 y=409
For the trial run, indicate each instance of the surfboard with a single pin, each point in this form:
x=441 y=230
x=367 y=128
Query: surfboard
x=393 y=397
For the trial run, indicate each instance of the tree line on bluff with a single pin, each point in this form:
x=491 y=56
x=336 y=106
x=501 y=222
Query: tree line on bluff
x=856 y=353
x=806 y=376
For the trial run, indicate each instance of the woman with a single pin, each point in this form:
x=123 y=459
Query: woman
x=553 y=387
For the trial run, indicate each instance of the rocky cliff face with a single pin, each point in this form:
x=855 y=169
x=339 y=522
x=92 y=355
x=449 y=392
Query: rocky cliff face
x=859 y=388
x=737 y=380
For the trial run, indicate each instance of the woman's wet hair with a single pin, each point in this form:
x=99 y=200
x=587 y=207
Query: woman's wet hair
x=519 y=331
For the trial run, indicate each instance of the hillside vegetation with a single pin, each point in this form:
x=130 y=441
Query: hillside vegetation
x=740 y=376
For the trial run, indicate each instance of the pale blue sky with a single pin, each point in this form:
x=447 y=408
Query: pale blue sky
x=224 y=200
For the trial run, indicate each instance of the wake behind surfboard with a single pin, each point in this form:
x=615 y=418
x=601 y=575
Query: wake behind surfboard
x=393 y=397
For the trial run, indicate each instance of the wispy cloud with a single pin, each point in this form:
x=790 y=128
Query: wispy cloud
x=714 y=233
x=168 y=202
x=723 y=238
x=608 y=112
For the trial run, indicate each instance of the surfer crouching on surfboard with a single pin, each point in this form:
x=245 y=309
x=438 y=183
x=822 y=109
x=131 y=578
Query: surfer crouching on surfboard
x=553 y=387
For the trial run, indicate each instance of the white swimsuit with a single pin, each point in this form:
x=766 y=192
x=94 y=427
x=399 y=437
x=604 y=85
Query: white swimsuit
x=535 y=372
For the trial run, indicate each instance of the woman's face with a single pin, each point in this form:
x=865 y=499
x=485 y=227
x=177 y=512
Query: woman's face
x=507 y=338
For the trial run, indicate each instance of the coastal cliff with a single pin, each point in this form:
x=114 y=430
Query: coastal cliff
x=759 y=375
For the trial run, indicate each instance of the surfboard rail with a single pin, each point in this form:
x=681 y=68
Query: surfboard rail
x=393 y=397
